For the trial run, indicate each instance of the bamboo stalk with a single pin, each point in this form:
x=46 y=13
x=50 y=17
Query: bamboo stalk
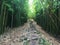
x=12 y=20
x=3 y=24
x=6 y=18
x=1 y=16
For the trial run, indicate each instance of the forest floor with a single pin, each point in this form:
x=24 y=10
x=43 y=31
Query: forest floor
x=29 y=34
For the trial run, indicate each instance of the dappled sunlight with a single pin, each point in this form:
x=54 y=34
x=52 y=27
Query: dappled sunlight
x=31 y=9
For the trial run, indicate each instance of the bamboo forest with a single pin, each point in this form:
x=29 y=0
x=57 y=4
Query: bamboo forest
x=29 y=22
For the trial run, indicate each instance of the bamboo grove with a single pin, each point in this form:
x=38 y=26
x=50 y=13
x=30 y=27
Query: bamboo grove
x=49 y=17
x=12 y=14
x=46 y=13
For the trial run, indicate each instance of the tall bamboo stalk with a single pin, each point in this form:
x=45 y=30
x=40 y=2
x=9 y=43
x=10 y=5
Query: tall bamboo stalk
x=2 y=6
x=4 y=17
x=12 y=20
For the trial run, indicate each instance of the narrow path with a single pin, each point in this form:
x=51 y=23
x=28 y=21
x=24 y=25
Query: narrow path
x=29 y=34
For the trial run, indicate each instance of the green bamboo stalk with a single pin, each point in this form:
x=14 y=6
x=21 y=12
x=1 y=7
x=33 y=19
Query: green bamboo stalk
x=1 y=16
x=12 y=20
x=6 y=18
x=3 y=24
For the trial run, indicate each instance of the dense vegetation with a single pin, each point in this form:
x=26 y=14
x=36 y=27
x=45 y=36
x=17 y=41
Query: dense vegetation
x=49 y=17
x=14 y=13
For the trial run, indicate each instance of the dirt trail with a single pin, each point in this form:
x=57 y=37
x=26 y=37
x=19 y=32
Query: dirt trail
x=45 y=34
x=29 y=34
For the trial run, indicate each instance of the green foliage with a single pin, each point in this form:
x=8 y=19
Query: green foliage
x=12 y=14
x=48 y=16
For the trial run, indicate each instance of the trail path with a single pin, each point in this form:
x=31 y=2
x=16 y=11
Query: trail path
x=29 y=34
